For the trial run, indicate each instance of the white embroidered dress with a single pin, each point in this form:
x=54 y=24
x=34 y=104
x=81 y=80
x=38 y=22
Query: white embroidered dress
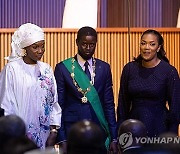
x=29 y=91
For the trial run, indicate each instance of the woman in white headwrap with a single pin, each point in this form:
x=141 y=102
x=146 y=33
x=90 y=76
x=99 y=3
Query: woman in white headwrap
x=28 y=87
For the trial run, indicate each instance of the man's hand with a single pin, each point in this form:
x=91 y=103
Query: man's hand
x=51 y=140
x=113 y=148
x=63 y=146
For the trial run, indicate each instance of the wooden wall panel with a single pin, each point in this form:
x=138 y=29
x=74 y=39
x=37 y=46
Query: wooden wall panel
x=170 y=12
x=143 y=13
x=112 y=47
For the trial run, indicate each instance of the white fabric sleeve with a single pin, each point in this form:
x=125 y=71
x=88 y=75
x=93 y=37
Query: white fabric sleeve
x=7 y=98
x=55 y=117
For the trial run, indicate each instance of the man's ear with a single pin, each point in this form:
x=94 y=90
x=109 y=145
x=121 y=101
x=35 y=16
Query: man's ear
x=77 y=42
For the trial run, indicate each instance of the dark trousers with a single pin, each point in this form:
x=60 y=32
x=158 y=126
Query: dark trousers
x=1 y=112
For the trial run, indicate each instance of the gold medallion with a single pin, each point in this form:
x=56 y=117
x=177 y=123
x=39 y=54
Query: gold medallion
x=84 y=99
x=83 y=91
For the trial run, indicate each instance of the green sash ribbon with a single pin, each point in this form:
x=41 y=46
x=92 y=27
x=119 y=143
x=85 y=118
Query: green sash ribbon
x=92 y=96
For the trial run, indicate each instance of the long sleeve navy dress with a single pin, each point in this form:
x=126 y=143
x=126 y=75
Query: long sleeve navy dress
x=144 y=93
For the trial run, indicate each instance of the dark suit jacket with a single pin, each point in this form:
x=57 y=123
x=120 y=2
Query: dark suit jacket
x=69 y=98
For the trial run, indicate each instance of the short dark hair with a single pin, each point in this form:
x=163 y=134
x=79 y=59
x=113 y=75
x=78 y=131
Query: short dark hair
x=86 y=31
x=85 y=137
x=11 y=126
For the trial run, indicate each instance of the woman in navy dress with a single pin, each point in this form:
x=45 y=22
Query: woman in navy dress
x=147 y=84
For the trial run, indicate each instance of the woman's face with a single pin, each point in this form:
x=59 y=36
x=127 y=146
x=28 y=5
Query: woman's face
x=149 y=47
x=34 y=52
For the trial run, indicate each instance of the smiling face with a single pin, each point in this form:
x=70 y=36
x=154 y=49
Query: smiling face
x=34 y=52
x=149 y=47
x=86 y=46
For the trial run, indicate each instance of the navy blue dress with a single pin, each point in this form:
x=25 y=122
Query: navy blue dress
x=144 y=93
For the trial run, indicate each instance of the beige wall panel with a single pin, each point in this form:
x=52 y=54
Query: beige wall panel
x=112 y=47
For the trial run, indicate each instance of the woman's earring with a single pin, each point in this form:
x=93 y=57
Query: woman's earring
x=24 y=53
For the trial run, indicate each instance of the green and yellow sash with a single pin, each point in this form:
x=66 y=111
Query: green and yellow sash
x=92 y=96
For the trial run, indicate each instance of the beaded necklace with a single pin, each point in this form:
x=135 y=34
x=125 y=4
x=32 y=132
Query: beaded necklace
x=83 y=91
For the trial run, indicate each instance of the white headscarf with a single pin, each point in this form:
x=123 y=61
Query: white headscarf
x=24 y=36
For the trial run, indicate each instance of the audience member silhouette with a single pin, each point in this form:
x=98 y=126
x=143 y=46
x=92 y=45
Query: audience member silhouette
x=128 y=131
x=85 y=137
x=11 y=127
x=47 y=150
x=169 y=143
x=19 y=145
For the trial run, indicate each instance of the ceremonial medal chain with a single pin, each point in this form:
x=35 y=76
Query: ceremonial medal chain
x=83 y=91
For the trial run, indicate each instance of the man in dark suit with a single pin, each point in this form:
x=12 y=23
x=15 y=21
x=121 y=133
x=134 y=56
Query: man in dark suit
x=84 y=87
